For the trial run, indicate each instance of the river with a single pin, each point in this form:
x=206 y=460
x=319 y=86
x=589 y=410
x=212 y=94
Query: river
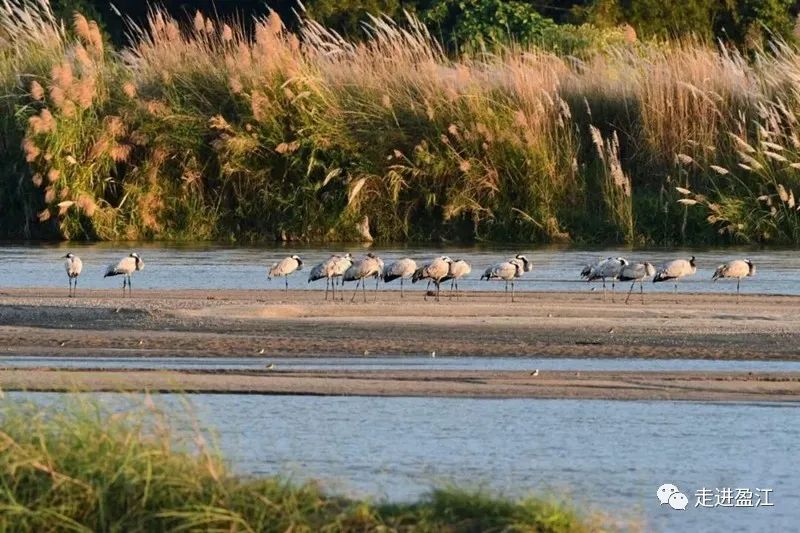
x=211 y=266
x=608 y=456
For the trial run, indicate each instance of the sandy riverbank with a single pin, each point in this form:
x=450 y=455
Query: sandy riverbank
x=242 y=323
x=250 y=323
x=705 y=386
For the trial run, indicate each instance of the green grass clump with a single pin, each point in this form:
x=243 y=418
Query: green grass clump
x=78 y=467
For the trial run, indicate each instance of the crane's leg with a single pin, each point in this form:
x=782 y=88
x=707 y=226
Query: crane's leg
x=401 y=287
x=506 y=290
x=327 y=283
x=613 y=286
x=604 y=289
x=738 y=281
x=438 y=287
x=124 y=284
x=130 y=287
x=512 y=291
x=630 y=291
x=286 y=282
x=452 y=285
x=364 y=289
x=641 y=290
x=75 y=288
x=353 y=299
x=458 y=292
x=676 y=291
x=377 y=284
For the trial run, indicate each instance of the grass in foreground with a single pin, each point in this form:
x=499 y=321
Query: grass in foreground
x=80 y=467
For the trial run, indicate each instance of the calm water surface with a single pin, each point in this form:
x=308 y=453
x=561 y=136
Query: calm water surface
x=399 y=363
x=607 y=455
x=209 y=266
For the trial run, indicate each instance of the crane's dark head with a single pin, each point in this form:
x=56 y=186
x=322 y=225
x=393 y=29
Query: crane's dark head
x=370 y=255
x=526 y=265
x=751 y=266
x=348 y=256
x=299 y=261
x=139 y=262
x=70 y=255
x=622 y=261
x=692 y=261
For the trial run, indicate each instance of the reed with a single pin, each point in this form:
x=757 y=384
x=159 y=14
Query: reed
x=200 y=130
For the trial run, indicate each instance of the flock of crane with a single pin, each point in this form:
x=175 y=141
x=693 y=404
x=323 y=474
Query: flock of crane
x=344 y=268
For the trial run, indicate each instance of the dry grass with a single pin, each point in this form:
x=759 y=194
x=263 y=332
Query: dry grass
x=231 y=135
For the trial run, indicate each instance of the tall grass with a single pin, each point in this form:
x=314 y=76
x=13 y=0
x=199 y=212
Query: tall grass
x=79 y=467
x=199 y=130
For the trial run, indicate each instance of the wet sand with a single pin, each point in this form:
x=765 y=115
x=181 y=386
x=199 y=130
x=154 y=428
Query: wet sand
x=697 y=386
x=44 y=322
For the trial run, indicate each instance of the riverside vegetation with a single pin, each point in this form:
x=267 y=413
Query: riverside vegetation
x=79 y=467
x=199 y=129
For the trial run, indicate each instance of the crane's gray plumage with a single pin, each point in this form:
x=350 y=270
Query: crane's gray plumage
x=284 y=268
x=126 y=267
x=675 y=270
x=458 y=269
x=608 y=268
x=434 y=272
x=636 y=272
x=508 y=271
x=401 y=269
x=330 y=269
x=73 y=265
x=738 y=268
x=368 y=266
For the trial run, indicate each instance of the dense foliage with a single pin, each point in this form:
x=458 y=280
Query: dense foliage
x=741 y=21
x=205 y=129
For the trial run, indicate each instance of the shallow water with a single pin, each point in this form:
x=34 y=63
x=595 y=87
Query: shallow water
x=400 y=363
x=207 y=266
x=606 y=455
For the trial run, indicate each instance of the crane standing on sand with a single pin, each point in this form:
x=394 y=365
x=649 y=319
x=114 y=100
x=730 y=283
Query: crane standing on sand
x=675 y=270
x=401 y=269
x=126 y=267
x=608 y=268
x=636 y=272
x=330 y=269
x=73 y=266
x=434 y=272
x=738 y=268
x=369 y=266
x=285 y=267
x=509 y=271
x=458 y=269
